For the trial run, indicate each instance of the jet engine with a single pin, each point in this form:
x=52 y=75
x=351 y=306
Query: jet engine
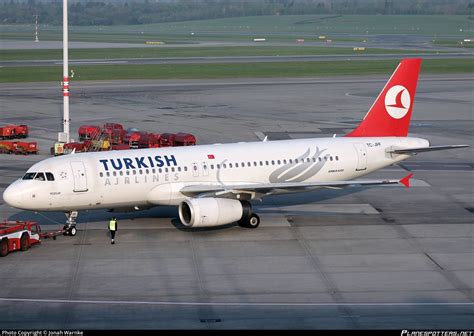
x=206 y=212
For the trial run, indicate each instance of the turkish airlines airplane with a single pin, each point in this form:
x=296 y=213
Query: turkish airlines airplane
x=214 y=184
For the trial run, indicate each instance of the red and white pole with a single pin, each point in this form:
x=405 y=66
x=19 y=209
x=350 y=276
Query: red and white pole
x=66 y=118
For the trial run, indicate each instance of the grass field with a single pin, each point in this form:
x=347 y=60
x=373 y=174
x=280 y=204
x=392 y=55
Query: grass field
x=457 y=43
x=157 y=52
x=232 y=70
x=271 y=27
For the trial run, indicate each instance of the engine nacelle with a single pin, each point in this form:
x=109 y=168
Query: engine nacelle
x=202 y=212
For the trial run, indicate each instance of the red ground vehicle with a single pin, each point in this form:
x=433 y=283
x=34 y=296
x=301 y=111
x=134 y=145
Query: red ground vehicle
x=21 y=131
x=87 y=132
x=115 y=132
x=142 y=140
x=154 y=141
x=18 y=236
x=167 y=139
x=184 y=139
x=7 y=132
x=25 y=147
x=117 y=136
x=6 y=147
x=70 y=146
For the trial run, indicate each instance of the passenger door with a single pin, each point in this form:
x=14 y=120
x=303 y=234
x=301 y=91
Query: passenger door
x=361 y=156
x=79 y=175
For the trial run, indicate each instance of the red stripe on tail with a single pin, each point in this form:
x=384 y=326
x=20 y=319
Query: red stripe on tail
x=391 y=112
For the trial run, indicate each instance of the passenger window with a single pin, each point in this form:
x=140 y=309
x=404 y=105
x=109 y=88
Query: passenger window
x=40 y=177
x=212 y=166
x=291 y=160
x=179 y=169
x=134 y=172
x=121 y=173
x=273 y=162
x=127 y=172
x=337 y=158
x=249 y=164
x=230 y=165
x=319 y=159
x=284 y=161
x=223 y=165
x=28 y=176
x=308 y=159
x=266 y=163
x=218 y=166
x=101 y=174
x=108 y=174
x=236 y=165
x=172 y=169
x=166 y=170
x=185 y=168
x=147 y=171
x=330 y=158
x=314 y=159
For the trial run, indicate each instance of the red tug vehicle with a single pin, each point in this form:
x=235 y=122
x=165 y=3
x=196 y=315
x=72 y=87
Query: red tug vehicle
x=19 y=235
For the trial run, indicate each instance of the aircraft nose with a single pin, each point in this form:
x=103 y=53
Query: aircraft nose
x=11 y=196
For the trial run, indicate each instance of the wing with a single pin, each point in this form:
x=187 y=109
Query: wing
x=424 y=149
x=258 y=190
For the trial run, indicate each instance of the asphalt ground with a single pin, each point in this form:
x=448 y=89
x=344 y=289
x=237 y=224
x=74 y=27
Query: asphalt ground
x=389 y=258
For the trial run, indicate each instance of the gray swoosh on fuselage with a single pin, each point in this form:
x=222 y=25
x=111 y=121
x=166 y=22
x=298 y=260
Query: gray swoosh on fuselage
x=300 y=171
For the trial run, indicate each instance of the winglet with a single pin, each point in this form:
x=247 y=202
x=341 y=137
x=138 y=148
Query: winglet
x=406 y=180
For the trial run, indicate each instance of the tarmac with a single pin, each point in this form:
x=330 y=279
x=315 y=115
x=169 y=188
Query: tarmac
x=359 y=258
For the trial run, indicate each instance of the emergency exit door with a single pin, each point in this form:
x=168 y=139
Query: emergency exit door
x=361 y=156
x=79 y=176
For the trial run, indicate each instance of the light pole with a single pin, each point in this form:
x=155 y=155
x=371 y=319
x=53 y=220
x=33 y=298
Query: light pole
x=65 y=136
x=36 y=28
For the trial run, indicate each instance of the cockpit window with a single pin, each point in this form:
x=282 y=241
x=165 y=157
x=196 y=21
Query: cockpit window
x=40 y=177
x=50 y=176
x=28 y=176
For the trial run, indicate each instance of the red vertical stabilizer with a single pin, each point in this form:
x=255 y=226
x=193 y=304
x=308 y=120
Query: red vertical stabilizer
x=391 y=112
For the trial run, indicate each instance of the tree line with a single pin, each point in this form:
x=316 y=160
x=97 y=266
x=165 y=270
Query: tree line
x=131 y=12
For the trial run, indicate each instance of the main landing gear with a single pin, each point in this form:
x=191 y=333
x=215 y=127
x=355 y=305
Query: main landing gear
x=249 y=218
x=70 y=227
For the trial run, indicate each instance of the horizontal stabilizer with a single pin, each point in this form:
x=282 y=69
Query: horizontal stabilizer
x=425 y=149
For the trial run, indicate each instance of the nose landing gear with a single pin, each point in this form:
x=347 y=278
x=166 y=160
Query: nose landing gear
x=70 y=227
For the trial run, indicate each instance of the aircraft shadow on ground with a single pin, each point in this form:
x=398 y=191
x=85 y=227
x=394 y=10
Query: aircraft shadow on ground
x=268 y=205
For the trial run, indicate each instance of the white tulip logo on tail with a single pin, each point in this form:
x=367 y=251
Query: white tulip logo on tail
x=397 y=101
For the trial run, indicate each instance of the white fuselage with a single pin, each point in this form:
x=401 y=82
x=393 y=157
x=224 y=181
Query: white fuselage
x=147 y=177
